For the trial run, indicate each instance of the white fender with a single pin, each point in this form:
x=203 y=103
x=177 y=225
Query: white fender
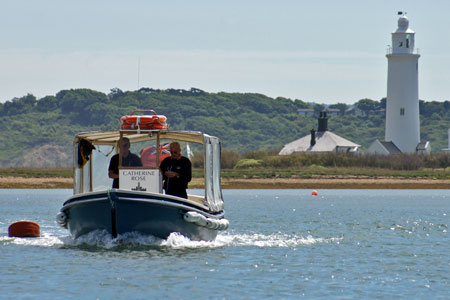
x=61 y=219
x=199 y=219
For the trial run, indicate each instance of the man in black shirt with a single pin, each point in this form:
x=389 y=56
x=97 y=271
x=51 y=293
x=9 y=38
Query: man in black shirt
x=128 y=160
x=177 y=172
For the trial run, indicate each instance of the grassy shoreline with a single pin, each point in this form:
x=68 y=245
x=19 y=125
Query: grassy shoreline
x=308 y=178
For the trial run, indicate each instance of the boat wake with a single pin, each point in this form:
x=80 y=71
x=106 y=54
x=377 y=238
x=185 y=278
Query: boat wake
x=272 y=240
x=177 y=241
x=135 y=240
x=45 y=240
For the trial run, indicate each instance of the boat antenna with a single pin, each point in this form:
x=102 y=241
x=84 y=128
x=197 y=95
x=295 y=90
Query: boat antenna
x=138 y=71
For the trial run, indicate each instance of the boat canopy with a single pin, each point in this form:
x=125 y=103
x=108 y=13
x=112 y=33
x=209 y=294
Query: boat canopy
x=113 y=137
x=90 y=178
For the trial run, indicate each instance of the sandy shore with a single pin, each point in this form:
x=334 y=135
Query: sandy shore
x=337 y=183
x=10 y=182
x=260 y=183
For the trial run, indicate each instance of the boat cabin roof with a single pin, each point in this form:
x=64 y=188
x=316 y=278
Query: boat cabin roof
x=112 y=137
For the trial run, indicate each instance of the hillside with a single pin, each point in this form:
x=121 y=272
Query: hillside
x=39 y=132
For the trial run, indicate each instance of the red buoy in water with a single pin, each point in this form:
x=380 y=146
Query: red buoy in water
x=314 y=193
x=24 y=229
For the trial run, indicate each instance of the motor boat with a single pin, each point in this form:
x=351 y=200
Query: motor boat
x=140 y=204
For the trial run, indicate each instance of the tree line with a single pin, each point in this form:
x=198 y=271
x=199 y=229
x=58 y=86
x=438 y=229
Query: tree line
x=243 y=121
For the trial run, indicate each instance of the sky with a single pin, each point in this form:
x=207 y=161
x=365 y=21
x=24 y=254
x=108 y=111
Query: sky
x=322 y=51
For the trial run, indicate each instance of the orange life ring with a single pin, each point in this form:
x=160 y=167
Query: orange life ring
x=143 y=121
x=24 y=229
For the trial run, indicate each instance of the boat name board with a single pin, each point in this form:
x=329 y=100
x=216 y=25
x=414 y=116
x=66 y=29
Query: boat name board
x=140 y=180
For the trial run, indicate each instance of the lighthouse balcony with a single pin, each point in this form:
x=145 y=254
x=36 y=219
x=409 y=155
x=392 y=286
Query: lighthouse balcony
x=391 y=51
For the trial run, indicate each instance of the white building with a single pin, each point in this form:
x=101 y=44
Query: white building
x=402 y=102
x=447 y=149
x=320 y=141
x=305 y=111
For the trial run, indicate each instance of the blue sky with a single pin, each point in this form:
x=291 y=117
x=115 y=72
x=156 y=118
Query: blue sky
x=324 y=51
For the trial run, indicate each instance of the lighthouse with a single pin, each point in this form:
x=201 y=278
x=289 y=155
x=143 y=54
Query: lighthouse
x=402 y=102
x=402 y=131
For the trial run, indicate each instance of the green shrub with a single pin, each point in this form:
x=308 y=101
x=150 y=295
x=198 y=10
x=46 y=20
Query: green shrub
x=229 y=159
x=197 y=160
x=401 y=161
x=247 y=163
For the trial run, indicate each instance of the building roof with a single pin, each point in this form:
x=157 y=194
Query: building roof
x=423 y=145
x=390 y=147
x=305 y=110
x=326 y=141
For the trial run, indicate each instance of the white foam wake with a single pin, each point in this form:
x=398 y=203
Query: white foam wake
x=178 y=241
x=45 y=240
x=272 y=240
x=104 y=240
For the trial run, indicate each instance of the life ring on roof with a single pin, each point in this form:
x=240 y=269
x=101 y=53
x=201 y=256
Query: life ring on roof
x=24 y=229
x=133 y=121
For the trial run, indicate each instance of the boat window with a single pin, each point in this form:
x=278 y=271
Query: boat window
x=209 y=187
x=77 y=181
x=77 y=171
x=148 y=153
x=212 y=174
x=93 y=175
x=216 y=178
x=101 y=157
x=81 y=175
x=86 y=178
x=139 y=170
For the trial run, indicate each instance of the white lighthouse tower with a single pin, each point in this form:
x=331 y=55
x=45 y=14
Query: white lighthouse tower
x=402 y=103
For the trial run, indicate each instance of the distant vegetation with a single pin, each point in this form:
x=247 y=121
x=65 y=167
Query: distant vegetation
x=267 y=164
x=42 y=130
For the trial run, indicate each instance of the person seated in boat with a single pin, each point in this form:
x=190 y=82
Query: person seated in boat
x=177 y=172
x=128 y=160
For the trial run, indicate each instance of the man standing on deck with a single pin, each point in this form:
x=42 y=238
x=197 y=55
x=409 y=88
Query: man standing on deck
x=128 y=160
x=177 y=172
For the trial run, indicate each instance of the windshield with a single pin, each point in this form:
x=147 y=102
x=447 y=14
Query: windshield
x=94 y=174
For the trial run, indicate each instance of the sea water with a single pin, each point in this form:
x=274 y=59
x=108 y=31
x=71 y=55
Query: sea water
x=281 y=244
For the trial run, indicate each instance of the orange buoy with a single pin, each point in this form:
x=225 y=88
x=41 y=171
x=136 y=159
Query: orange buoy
x=24 y=229
x=314 y=193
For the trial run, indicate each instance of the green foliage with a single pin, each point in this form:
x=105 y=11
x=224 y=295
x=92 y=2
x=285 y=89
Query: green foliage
x=404 y=162
x=428 y=109
x=368 y=106
x=46 y=104
x=197 y=161
x=18 y=106
x=301 y=104
x=259 y=154
x=341 y=106
x=252 y=125
x=83 y=105
x=229 y=159
x=247 y=163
